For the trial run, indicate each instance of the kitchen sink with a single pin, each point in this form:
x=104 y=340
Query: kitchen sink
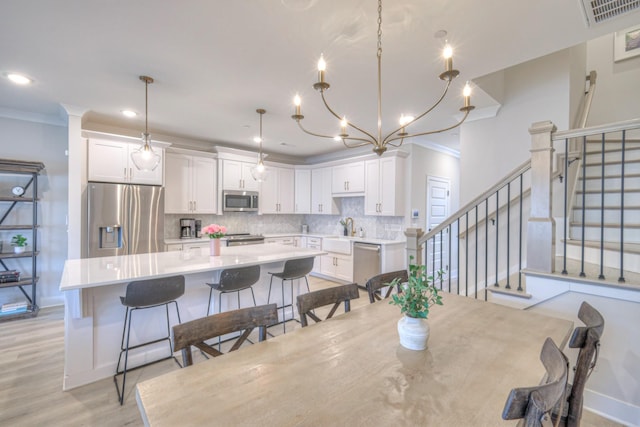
x=337 y=244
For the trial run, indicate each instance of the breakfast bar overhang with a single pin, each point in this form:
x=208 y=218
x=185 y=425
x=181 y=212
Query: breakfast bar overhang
x=94 y=316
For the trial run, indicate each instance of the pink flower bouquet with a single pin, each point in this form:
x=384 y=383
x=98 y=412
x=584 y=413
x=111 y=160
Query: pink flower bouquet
x=214 y=231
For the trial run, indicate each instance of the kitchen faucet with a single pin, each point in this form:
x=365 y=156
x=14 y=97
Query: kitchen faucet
x=346 y=222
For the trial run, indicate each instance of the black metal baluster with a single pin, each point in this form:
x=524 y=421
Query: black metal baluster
x=497 y=228
x=584 y=201
x=566 y=225
x=449 y=263
x=486 y=247
x=621 y=278
x=466 y=254
x=520 y=240
x=433 y=256
x=601 y=276
x=476 y=267
x=441 y=256
x=508 y=232
x=458 y=260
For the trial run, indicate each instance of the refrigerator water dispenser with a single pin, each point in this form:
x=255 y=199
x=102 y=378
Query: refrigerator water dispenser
x=110 y=237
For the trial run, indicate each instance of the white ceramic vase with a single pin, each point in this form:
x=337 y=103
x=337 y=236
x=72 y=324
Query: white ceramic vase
x=19 y=249
x=414 y=333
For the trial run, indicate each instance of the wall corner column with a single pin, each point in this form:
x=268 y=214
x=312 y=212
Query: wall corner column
x=541 y=227
x=414 y=248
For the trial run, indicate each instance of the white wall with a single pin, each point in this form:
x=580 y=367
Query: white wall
x=29 y=141
x=424 y=162
x=537 y=90
x=617 y=95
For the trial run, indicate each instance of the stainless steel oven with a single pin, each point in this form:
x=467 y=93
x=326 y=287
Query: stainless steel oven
x=240 y=201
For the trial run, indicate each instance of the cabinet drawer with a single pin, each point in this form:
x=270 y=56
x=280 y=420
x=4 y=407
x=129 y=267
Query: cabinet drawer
x=314 y=241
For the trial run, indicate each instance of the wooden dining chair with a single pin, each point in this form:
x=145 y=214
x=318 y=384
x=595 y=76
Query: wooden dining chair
x=376 y=283
x=335 y=295
x=534 y=404
x=196 y=332
x=587 y=339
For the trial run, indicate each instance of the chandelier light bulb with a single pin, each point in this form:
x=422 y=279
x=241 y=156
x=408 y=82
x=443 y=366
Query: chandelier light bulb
x=448 y=57
x=447 y=52
x=467 y=90
x=322 y=66
x=260 y=166
x=297 y=101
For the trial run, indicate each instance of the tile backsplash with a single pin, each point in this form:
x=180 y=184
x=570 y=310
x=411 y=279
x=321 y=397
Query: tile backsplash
x=383 y=227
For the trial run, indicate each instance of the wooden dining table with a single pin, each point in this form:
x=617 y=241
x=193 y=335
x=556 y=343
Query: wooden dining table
x=351 y=371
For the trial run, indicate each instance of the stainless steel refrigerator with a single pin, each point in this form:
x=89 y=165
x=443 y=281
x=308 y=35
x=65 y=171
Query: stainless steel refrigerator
x=125 y=219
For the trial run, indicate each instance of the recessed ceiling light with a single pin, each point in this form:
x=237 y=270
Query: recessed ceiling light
x=19 y=79
x=129 y=113
x=440 y=34
x=257 y=140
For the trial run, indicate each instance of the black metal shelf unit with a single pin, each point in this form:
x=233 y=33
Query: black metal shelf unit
x=26 y=174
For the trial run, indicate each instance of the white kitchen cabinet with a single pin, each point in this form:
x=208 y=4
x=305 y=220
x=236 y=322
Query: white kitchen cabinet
x=337 y=265
x=236 y=175
x=348 y=179
x=321 y=197
x=315 y=243
x=302 y=191
x=110 y=161
x=384 y=186
x=277 y=192
x=190 y=184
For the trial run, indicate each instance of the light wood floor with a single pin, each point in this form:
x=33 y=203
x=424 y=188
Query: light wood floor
x=31 y=360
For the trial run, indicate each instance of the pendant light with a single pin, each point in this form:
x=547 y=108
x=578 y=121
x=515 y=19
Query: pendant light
x=259 y=171
x=145 y=158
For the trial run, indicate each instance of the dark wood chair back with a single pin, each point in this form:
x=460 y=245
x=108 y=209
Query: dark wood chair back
x=196 y=332
x=335 y=295
x=534 y=404
x=587 y=339
x=376 y=283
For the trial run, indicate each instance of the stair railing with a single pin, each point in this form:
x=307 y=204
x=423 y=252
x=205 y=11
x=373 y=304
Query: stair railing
x=602 y=137
x=487 y=220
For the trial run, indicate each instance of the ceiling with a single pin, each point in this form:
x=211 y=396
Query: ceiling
x=215 y=62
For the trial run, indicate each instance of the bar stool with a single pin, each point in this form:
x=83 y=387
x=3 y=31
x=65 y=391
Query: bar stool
x=234 y=280
x=141 y=295
x=293 y=269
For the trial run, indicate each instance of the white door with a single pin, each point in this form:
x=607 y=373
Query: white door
x=437 y=211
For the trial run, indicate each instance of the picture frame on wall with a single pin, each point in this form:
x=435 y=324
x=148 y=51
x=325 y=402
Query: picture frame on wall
x=626 y=43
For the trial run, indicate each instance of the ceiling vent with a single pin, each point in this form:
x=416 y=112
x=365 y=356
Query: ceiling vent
x=597 y=11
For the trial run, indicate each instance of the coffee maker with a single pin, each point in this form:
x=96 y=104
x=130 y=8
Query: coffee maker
x=187 y=228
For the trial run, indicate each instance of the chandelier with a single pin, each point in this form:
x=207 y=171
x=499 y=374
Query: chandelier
x=145 y=158
x=397 y=136
x=259 y=171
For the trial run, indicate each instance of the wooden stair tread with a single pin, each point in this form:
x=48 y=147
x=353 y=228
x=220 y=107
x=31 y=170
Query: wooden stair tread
x=612 y=176
x=606 y=225
x=607 y=191
x=629 y=248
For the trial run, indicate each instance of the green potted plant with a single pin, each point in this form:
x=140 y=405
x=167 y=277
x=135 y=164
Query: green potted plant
x=418 y=295
x=19 y=243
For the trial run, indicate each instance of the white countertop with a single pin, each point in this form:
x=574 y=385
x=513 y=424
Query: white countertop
x=93 y=272
x=275 y=235
x=335 y=236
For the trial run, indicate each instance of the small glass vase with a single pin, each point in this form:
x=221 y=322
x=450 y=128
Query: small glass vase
x=214 y=247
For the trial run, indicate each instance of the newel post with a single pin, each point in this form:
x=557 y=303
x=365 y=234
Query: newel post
x=541 y=228
x=414 y=248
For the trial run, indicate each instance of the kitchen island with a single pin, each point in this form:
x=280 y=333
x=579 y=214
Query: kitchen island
x=94 y=316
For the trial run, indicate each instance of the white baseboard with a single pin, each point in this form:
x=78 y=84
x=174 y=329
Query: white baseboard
x=613 y=409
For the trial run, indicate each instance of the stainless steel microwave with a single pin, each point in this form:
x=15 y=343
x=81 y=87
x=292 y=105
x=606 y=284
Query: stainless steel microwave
x=240 y=201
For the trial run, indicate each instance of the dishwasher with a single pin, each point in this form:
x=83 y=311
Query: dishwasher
x=366 y=262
